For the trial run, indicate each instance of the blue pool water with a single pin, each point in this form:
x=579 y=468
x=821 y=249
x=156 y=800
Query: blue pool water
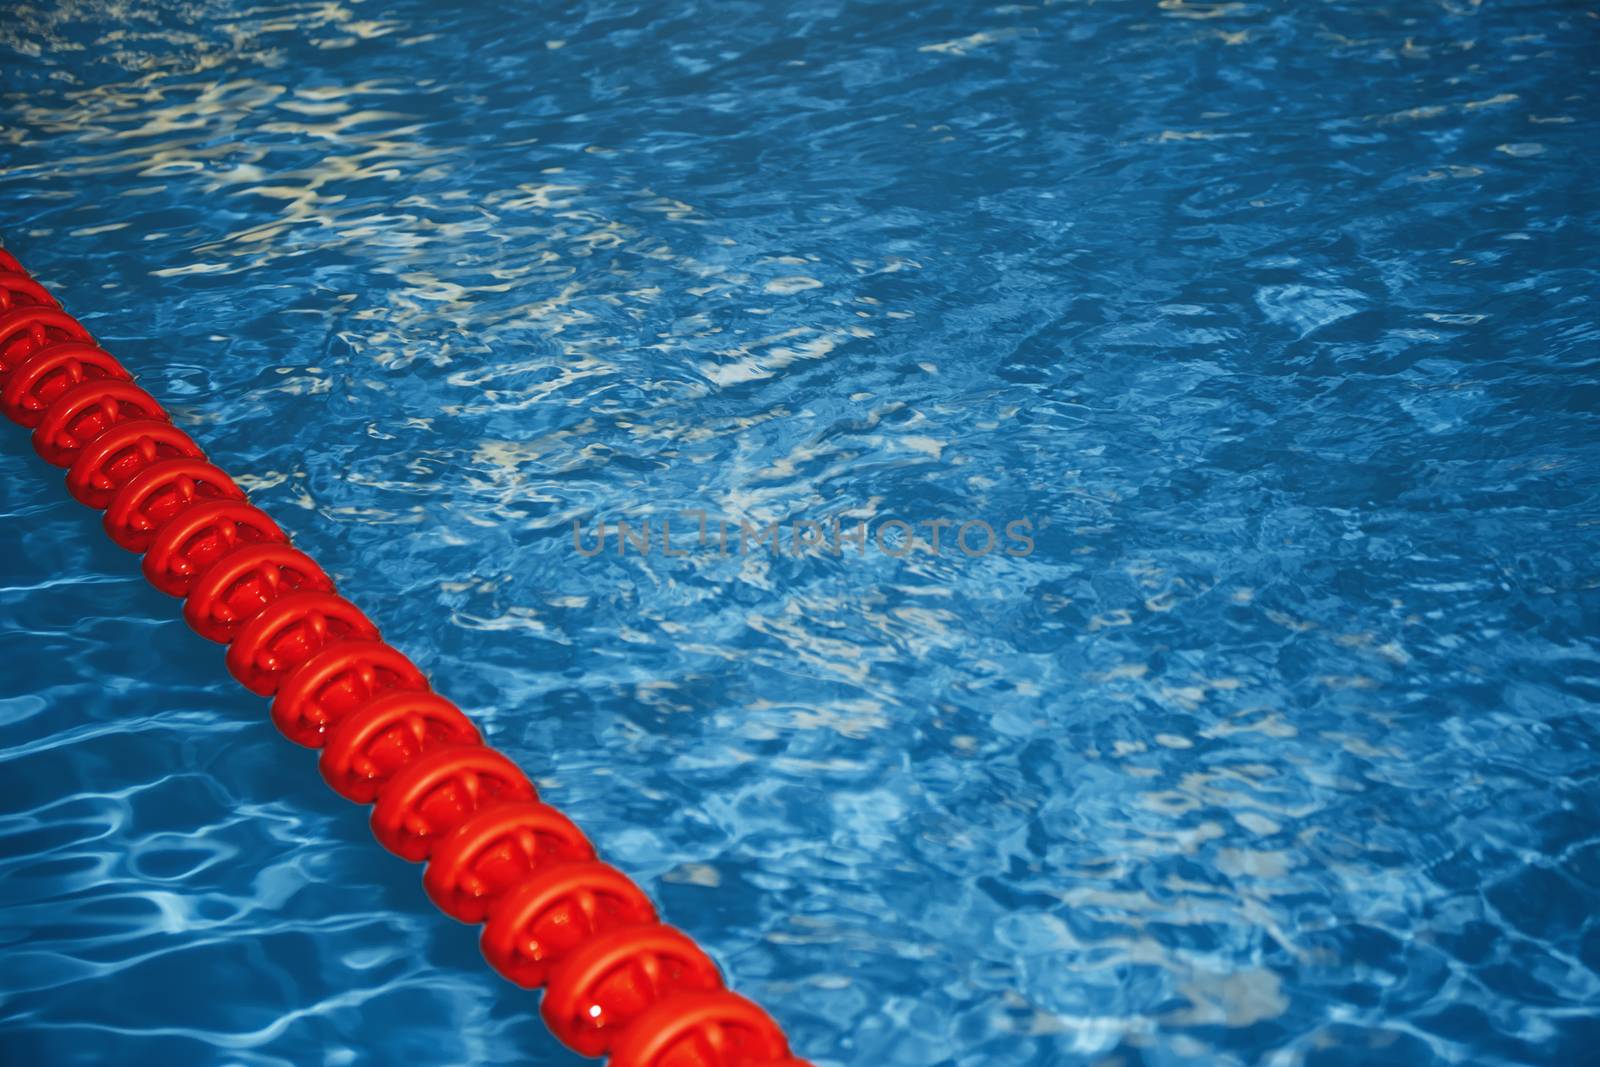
x=1275 y=322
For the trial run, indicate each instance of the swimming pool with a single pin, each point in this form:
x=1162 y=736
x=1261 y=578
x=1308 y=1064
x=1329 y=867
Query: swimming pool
x=1275 y=323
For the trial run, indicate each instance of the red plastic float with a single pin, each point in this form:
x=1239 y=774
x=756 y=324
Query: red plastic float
x=439 y=792
x=197 y=537
x=606 y=982
x=496 y=849
x=700 y=1030
x=370 y=744
x=617 y=980
x=533 y=927
x=85 y=412
x=159 y=492
x=270 y=646
x=40 y=379
x=336 y=682
x=21 y=291
x=113 y=459
x=237 y=587
x=25 y=330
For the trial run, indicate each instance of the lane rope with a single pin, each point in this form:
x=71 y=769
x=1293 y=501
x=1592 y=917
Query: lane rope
x=616 y=981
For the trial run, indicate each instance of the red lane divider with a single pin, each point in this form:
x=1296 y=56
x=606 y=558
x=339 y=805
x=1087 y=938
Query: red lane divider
x=617 y=982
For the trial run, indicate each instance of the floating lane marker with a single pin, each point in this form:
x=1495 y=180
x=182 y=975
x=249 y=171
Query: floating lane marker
x=616 y=981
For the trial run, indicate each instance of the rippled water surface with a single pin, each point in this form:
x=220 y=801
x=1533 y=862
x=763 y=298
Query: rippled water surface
x=1276 y=322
